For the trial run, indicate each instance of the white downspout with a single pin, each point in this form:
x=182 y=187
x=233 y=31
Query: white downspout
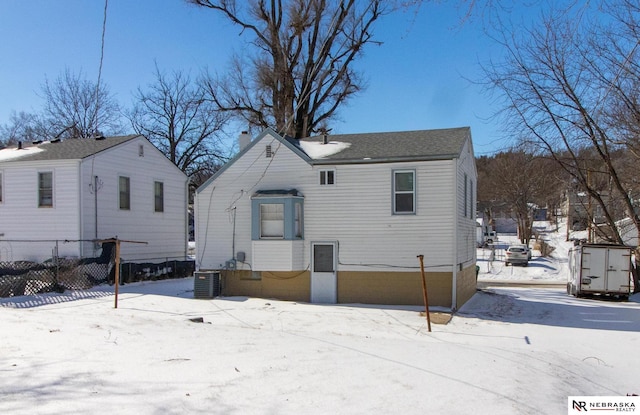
x=454 y=250
x=81 y=212
x=186 y=217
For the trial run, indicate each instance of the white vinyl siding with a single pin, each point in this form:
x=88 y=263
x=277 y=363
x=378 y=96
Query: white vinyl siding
x=467 y=177
x=357 y=213
x=370 y=238
x=23 y=219
x=1 y=187
x=86 y=205
x=165 y=234
x=225 y=218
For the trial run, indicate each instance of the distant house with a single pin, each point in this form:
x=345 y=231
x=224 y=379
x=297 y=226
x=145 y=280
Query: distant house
x=62 y=195
x=342 y=218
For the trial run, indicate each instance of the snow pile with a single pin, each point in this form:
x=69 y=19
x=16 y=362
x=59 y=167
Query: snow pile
x=7 y=154
x=318 y=150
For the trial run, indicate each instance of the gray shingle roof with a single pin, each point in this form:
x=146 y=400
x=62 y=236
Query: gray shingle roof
x=397 y=146
x=71 y=149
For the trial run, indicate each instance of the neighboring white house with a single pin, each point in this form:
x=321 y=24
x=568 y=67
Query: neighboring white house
x=77 y=190
x=343 y=218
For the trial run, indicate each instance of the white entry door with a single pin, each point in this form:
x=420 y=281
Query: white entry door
x=324 y=284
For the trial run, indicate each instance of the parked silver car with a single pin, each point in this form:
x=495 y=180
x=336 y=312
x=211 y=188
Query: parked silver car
x=526 y=248
x=517 y=254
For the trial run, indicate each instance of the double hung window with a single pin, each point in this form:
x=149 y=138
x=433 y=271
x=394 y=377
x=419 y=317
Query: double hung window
x=404 y=192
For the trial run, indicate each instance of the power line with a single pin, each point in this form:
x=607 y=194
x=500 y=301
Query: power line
x=104 y=29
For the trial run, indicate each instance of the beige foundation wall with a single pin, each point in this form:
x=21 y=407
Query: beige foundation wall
x=289 y=286
x=466 y=285
x=393 y=288
x=403 y=288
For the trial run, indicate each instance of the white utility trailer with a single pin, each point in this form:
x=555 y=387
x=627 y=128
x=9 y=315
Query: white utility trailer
x=599 y=269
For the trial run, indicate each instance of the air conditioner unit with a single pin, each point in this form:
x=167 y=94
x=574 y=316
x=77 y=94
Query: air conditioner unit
x=206 y=284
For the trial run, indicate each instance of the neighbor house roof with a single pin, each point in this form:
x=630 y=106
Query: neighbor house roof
x=444 y=143
x=68 y=149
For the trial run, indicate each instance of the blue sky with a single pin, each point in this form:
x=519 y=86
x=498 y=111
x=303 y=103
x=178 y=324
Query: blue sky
x=420 y=78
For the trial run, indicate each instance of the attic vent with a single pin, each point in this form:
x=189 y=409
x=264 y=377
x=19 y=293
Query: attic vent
x=268 y=151
x=140 y=150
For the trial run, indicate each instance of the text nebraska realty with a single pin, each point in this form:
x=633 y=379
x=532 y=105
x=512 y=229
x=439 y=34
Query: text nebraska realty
x=604 y=406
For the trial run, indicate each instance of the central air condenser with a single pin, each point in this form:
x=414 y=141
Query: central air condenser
x=206 y=284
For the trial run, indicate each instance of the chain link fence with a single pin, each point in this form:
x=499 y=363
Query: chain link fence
x=57 y=274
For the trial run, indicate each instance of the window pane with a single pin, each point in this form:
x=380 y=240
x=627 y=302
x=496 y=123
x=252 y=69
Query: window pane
x=404 y=181
x=159 y=196
x=404 y=202
x=465 y=196
x=323 y=258
x=327 y=177
x=331 y=177
x=298 y=220
x=45 y=189
x=404 y=192
x=125 y=193
x=272 y=220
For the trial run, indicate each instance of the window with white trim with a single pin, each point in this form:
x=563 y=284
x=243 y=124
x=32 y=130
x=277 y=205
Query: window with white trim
x=404 y=192
x=327 y=177
x=124 y=190
x=45 y=189
x=471 y=206
x=158 y=197
x=464 y=207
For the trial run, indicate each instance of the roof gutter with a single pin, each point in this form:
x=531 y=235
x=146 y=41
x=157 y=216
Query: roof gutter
x=383 y=159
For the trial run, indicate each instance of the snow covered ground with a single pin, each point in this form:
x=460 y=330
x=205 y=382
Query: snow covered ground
x=507 y=351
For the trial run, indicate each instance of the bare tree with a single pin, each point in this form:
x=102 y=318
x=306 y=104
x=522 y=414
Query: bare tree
x=175 y=116
x=562 y=82
x=521 y=182
x=78 y=108
x=300 y=70
x=22 y=126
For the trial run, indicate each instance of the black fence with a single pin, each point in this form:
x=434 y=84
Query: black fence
x=19 y=278
x=131 y=271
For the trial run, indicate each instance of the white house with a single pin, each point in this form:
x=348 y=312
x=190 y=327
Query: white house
x=63 y=194
x=343 y=218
